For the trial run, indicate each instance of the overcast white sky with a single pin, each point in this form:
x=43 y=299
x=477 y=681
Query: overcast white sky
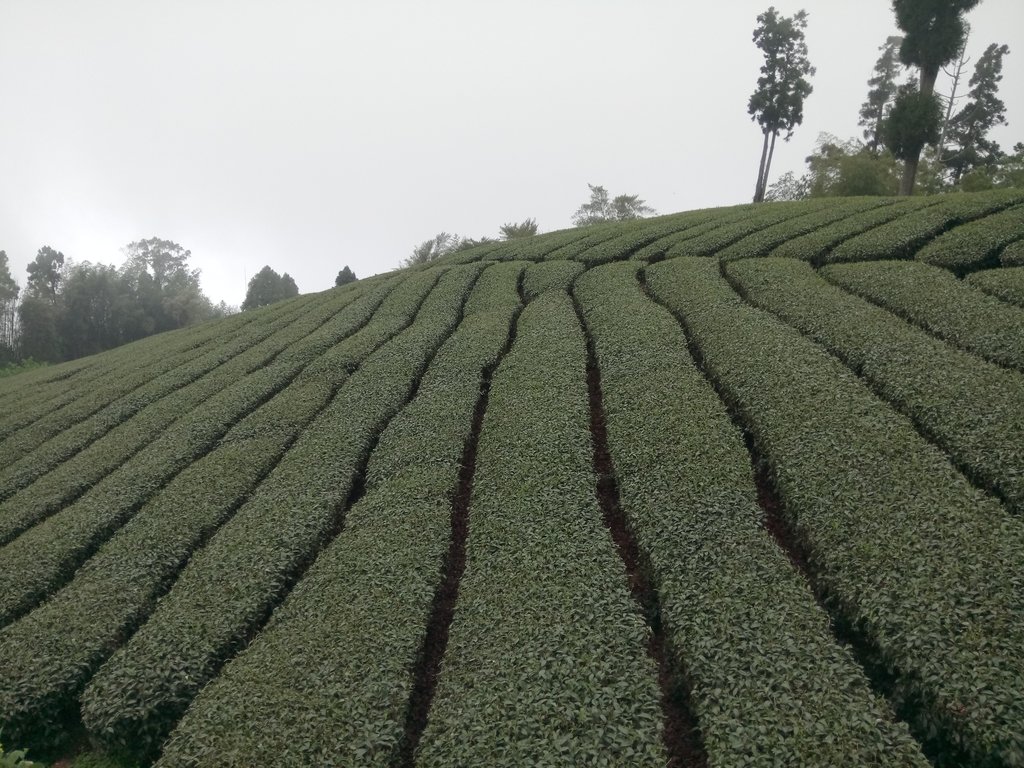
x=309 y=135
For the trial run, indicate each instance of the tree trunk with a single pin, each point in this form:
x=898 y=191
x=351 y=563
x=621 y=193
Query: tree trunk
x=768 y=165
x=759 y=189
x=928 y=77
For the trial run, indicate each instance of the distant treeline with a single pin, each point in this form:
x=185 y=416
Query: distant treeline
x=71 y=309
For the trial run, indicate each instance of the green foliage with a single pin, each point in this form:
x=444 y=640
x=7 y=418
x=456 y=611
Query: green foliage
x=902 y=237
x=972 y=409
x=379 y=577
x=935 y=300
x=883 y=87
x=511 y=231
x=266 y=287
x=1013 y=254
x=93 y=432
x=141 y=691
x=977 y=243
x=345 y=276
x=905 y=551
x=1006 y=283
x=684 y=481
x=159 y=501
x=12 y=369
x=933 y=30
x=535 y=616
x=971 y=147
x=600 y=209
x=716 y=238
x=778 y=102
x=118 y=585
x=913 y=122
x=770 y=236
x=16 y=759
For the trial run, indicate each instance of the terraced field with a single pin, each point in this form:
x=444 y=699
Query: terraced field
x=734 y=487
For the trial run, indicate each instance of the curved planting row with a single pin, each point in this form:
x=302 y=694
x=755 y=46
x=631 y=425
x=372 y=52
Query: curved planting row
x=762 y=241
x=974 y=410
x=52 y=440
x=550 y=276
x=641 y=233
x=115 y=589
x=768 y=686
x=759 y=219
x=546 y=660
x=177 y=420
x=46 y=555
x=901 y=238
x=116 y=372
x=377 y=582
x=137 y=696
x=977 y=243
x=907 y=553
x=1006 y=283
x=937 y=301
x=813 y=246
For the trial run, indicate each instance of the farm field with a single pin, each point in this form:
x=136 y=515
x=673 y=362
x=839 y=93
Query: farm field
x=731 y=487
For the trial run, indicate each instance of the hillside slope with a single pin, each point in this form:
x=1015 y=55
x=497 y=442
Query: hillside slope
x=731 y=487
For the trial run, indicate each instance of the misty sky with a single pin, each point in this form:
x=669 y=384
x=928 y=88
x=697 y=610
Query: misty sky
x=310 y=135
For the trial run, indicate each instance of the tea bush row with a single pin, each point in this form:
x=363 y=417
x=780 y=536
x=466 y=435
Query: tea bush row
x=141 y=691
x=762 y=241
x=977 y=243
x=768 y=682
x=70 y=437
x=47 y=555
x=546 y=661
x=973 y=409
x=901 y=238
x=814 y=246
x=361 y=611
x=909 y=556
x=124 y=446
x=1006 y=283
x=937 y=301
x=115 y=590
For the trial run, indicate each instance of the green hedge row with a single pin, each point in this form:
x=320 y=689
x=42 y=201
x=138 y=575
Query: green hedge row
x=1006 y=283
x=977 y=243
x=71 y=433
x=546 y=661
x=107 y=373
x=1013 y=254
x=227 y=589
x=537 y=248
x=769 y=684
x=973 y=409
x=639 y=234
x=718 y=217
x=47 y=657
x=901 y=238
x=550 y=275
x=815 y=245
x=759 y=218
x=935 y=300
x=113 y=453
x=47 y=554
x=763 y=240
x=908 y=554
x=377 y=581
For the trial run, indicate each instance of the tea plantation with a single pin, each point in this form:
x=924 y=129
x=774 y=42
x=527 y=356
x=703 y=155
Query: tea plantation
x=734 y=487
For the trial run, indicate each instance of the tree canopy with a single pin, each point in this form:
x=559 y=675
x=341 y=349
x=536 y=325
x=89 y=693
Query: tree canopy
x=600 y=208
x=511 y=231
x=778 y=102
x=933 y=33
x=266 y=287
x=345 y=276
